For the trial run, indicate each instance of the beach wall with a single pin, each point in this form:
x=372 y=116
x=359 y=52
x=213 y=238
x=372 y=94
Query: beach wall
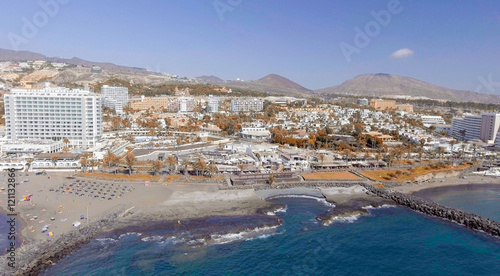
x=421 y=205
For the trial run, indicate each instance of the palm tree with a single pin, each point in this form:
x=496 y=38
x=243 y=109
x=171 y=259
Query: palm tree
x=200 y=166
x=93 y=163
x=185 y=163
x=66 y=141
x=347 y=154
x=54 y=160
x=463 y=146
x=109 y=159
x=212 y=168
x=462 y=134
x=420 y=153
x=440 y=151
x=156 y=166
x=130 y=161
x=84 y=161
x=241 y=167
x=172 y=163
x=29 y=161
x=321 y=158
x=272 y=179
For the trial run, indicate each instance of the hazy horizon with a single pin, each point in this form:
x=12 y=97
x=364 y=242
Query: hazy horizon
x=316 y=45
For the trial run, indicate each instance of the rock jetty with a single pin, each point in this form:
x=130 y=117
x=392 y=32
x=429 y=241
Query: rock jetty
x=421 y=205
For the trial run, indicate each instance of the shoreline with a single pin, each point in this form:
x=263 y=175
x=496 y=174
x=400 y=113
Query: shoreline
x=473 y=180
x=172 y=205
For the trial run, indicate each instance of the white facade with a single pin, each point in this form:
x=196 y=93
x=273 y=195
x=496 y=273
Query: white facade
x=482 y=127
x=471 y=124
x=213 y=103
x=182 y=105
x=32 y=146
x=246 y=104
x=489 y=127
x=432 y=120
x=115 y=97
x=54 y=114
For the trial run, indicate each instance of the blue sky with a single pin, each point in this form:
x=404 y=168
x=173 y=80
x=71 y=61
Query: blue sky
x=448 y=43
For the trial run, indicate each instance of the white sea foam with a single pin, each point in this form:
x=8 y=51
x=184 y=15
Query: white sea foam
x=379 y=207
x=342 y=219
x=153 y=239
x=322 y=200
x=265 y=236
x=130 y=234
x=196 y=241
x=243 y=235
x=280 y=210
x=104 y=241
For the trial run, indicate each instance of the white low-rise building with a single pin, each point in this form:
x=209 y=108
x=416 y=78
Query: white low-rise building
x=32 y=146
x=432 y=120
x=64 y=161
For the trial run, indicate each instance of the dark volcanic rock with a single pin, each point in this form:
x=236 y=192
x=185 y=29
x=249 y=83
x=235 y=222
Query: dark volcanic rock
x=421 y=205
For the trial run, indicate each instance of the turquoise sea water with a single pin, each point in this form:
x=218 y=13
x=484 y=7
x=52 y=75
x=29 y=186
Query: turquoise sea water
x=389 y=241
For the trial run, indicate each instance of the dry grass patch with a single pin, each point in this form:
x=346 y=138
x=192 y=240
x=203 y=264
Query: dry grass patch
x=410 y=174
x=169 y=178
x=120 y=176
x=331 y=176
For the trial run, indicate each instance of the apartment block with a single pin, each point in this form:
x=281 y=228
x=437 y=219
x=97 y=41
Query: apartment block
x=483 y=127
x=114 y=97
x=490 y=125
x=144 y=103
x=213 y=104
x=247 y=104
x=54 y=114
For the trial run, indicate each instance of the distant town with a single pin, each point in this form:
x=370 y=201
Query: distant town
x=108 y=130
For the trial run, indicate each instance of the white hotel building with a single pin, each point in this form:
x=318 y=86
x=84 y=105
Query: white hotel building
x=481 y=127
x=54 y=114
x=470 y=124
x=114 y=97
x=432 y=120
x=213 y=103
x=247 y=104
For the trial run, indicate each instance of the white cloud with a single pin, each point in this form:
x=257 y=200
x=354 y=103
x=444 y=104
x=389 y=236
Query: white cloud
x=402 y=53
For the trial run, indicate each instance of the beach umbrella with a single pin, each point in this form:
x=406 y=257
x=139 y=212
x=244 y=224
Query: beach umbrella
x=51 y=234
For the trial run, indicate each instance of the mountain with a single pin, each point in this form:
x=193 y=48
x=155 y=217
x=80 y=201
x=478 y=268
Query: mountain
x=272 y=83
x=378 y=85
x=10 y=55
x=211 y=79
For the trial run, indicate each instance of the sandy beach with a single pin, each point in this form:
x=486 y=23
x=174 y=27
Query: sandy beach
x=59 y=200
x=449 y=181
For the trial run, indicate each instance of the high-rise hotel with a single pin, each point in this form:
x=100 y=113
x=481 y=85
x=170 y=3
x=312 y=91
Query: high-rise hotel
x=55 y=114
x=115 y=97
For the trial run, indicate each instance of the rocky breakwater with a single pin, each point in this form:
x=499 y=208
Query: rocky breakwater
x=421 y=205
x=35 y=257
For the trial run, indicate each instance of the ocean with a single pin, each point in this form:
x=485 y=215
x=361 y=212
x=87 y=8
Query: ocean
x=389 y=241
